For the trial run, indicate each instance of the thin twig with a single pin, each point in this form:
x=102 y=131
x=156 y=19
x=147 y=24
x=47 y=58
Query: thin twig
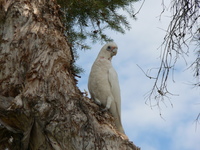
x=145 y=73
x=139 y=9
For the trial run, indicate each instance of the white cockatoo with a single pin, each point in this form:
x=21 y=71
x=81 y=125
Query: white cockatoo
x=103 y=83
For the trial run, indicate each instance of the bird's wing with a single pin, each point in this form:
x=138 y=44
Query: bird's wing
x=115 y=89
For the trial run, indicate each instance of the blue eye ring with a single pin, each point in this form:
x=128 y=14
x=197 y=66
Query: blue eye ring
x=109 y=47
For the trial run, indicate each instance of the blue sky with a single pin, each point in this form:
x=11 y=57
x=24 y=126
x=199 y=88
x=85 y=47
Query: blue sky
x=143 y=125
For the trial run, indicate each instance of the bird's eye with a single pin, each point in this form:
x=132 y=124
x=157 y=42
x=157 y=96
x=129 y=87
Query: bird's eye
x=108 y=48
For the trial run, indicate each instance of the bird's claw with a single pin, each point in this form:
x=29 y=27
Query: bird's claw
x=105 y=109
x=102 y=110
x=98 y=102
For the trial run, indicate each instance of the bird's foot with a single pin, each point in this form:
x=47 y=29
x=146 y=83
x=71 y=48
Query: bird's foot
x=101 y=111
x=98 y=102
x=105 y=109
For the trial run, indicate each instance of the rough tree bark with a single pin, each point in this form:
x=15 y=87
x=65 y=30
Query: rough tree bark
x=41 y=107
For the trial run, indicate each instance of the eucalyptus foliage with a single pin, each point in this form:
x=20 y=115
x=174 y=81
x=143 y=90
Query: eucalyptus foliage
x=89 y=19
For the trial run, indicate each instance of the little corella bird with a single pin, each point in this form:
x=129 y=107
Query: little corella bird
x=103 y=83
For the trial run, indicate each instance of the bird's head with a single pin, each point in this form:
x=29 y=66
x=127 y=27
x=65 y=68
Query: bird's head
x=108 y=50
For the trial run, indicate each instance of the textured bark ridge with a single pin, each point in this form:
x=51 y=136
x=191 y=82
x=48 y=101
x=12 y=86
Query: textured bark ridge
x=41 y=107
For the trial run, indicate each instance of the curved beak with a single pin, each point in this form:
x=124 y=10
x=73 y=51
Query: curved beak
x=114 y=51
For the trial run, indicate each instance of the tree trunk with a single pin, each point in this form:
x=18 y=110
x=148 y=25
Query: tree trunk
x=41 y=107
